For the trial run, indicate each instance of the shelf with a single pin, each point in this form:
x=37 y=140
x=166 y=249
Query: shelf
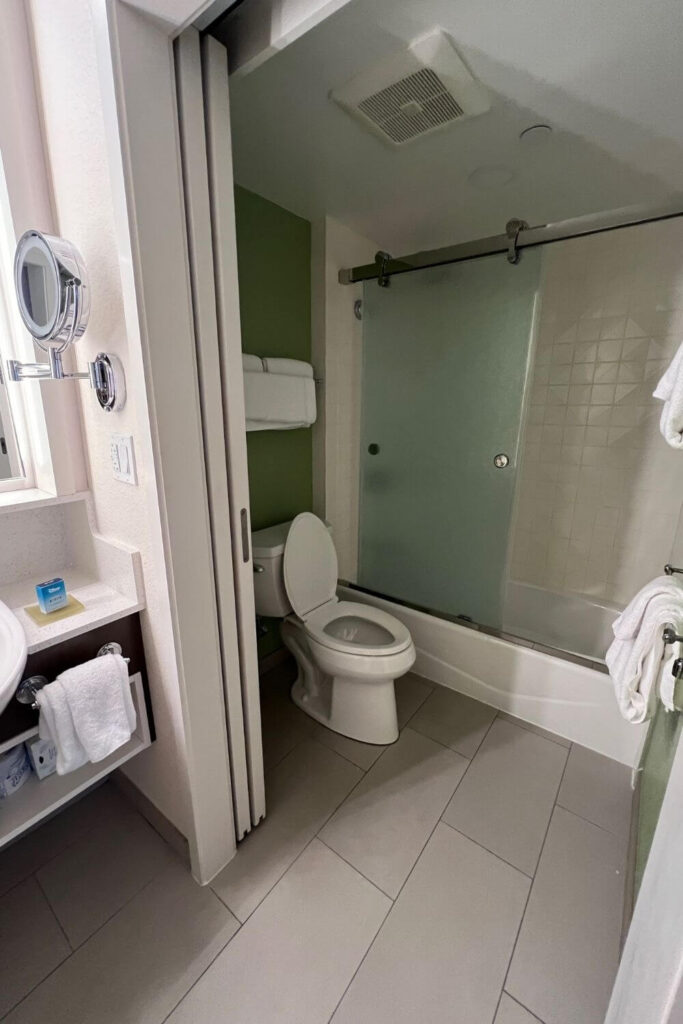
x=39 y=798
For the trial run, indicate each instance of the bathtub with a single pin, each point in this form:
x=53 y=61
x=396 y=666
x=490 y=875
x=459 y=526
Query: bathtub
x=570 y=622
x=571 y=700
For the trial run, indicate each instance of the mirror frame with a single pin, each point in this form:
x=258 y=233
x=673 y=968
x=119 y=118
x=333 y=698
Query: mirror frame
x=72 y=308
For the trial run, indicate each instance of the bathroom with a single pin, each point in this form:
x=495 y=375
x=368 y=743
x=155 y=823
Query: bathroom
x=416 y=798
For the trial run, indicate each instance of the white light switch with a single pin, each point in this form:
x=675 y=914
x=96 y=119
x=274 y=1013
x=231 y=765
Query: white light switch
x=123 y=458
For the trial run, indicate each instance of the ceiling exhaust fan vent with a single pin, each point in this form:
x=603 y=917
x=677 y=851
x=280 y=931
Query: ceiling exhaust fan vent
x=411 y=107
x=414 y=92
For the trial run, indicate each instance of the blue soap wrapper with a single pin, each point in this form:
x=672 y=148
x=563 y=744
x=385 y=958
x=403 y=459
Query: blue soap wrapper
x=51 y=595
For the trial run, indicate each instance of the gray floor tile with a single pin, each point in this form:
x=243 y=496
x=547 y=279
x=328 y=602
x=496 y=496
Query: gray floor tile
x=301 y=792
x=31 y=941
x=411 y=693
x=454 y=720
x=382 y=827
x=25 y=856
x=283 y=724
x=535 y=728
x=567 y=953
x=442 y=953
x=506 y=798
x=292 y=960
x=139 y=965
x=510 y=1012
x=599 y=789
x=94 y=878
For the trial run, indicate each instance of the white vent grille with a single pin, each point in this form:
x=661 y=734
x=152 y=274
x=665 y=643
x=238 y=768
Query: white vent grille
x=414 y=91
x=408 y=108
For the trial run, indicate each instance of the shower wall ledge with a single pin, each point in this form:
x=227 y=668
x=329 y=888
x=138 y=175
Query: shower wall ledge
x=570 y=700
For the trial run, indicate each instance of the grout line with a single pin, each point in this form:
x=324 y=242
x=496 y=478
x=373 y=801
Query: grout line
x=526 y=904
x=544 y=734
x=356 y=869
x=523 y=1007
x=623 y=839
x=493 y=853
x=55 y=915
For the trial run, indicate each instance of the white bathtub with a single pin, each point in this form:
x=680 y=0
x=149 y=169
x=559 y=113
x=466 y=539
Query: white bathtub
x=568 y=699
x=568 y=621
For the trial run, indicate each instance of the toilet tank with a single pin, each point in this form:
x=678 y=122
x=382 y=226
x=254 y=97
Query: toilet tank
x=268 y=548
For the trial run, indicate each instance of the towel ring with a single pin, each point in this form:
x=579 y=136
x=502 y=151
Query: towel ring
x=27 y=690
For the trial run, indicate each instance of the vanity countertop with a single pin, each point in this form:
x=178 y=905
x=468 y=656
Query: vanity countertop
x=102 y=604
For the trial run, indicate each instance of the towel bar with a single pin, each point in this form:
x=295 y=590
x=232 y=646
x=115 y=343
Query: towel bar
x=28 y=688
x=670 y=636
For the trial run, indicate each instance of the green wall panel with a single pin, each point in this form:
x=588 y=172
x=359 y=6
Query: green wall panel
x=274 y=267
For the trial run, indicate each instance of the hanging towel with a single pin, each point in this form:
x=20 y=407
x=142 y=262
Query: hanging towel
x=288 y=367
x=670 y=391
x=88 y=711
x=251 y=364
x=278 y=402
x=635 y=655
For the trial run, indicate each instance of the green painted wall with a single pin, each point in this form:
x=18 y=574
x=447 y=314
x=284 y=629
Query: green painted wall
x=274 y=266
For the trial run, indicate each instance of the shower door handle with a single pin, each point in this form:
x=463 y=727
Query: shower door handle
x=501 y=460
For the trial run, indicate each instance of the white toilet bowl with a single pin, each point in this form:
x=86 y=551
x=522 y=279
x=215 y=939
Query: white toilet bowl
x=348 y=654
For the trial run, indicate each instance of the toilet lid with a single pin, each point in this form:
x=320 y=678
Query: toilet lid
x=310 y=564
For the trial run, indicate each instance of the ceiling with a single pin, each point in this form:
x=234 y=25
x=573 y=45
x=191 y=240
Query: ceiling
x=608 y=77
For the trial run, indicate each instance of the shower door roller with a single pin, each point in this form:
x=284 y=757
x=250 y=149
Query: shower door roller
x=501 y=460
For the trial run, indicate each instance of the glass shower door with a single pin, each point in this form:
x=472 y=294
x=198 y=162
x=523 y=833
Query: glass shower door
x=445 y=355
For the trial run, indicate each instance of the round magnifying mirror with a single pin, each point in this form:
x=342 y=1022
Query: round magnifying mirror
x=52 y=291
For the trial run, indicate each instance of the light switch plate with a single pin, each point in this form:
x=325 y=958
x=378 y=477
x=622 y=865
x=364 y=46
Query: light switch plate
x=123 y=458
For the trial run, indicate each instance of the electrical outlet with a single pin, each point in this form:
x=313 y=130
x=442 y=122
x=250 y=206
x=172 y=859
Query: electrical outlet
x=123 y=458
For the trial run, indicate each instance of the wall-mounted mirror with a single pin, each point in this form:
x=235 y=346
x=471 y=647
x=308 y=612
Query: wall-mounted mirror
x=52 y=289
x=54 y=302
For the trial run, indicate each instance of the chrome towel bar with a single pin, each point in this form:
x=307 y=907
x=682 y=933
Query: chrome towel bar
x=28 y=688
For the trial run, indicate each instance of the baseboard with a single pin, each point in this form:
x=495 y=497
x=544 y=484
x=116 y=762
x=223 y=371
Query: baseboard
x=159 y=822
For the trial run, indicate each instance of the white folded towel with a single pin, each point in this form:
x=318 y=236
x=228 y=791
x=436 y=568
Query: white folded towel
x=288 y=367
x=635 y=655
x=252 y=364
x=670 y=391
x=278 y=402
x=87 y=712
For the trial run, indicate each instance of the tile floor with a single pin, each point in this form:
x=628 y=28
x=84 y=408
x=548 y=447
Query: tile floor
x=472 y=873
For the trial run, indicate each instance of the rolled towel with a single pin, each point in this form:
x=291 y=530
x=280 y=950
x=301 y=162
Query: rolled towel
x=88 y=711
x=251 y=364
x=634 y=663
x=627 y=625
x=288 y=367
x=670 y=391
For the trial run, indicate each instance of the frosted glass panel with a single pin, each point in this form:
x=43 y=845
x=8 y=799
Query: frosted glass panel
x=445 y=355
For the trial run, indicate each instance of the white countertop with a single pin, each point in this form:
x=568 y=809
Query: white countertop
x=101 y=602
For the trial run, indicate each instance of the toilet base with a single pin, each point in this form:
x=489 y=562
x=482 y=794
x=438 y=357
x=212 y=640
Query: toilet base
x=361 y=710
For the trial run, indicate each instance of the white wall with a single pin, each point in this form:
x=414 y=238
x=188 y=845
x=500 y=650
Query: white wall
x=599 y=490
x=337 y=356
x=74 y=127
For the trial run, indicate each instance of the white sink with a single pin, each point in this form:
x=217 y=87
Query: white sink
x=12 y=654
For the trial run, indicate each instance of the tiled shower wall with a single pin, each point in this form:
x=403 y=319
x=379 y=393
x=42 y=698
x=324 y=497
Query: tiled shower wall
x=599 y=491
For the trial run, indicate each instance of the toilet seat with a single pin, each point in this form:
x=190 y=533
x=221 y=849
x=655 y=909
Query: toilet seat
x=351 y=637
x=310 y=571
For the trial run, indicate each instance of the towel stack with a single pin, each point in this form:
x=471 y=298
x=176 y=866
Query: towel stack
x=635 y=655
x=279 y=394
x=87 y=712
x=670 y=391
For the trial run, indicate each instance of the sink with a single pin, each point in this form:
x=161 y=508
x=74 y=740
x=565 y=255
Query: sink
x=12 y=654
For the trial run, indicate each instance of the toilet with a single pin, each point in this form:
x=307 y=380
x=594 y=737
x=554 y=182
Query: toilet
x=348 y=654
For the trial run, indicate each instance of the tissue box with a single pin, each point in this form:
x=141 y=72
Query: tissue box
x=51 y=595
x=43 y=756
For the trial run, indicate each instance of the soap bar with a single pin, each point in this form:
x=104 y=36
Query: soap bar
x=51 y=595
